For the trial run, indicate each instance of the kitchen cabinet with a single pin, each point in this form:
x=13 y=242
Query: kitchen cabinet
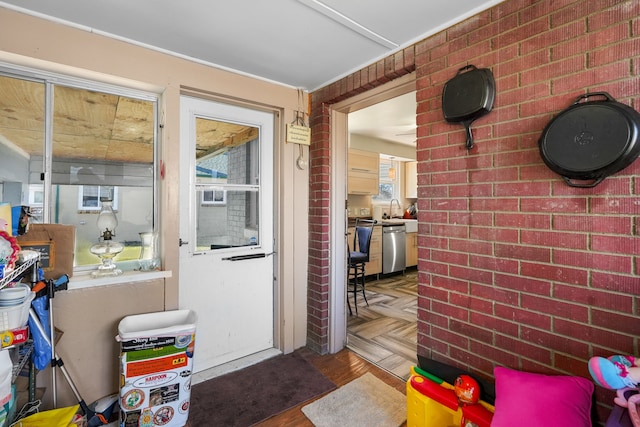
x=363 y=168
x=374 y=266
x=375 y=252
x=412 y=249
x=411 y=180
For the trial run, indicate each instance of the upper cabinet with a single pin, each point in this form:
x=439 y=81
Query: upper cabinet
x=411 y=180
x=363 y=170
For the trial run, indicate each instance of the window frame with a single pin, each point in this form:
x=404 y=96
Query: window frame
x=53 y=79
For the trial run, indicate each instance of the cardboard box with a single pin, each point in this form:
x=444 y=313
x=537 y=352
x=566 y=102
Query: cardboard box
x=56 y=244
x=6 y=223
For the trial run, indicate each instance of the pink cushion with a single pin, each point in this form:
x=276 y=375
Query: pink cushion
x=526 y=399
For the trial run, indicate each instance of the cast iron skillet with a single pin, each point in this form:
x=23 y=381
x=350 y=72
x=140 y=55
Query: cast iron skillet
x=591 y=139
x=468 y=96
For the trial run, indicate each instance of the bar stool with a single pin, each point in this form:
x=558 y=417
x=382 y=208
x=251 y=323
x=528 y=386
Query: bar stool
x=357 y=260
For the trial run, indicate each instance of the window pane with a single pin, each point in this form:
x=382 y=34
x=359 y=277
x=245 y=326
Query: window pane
x=227 y=182
x=102 y=150
x=386 y=191
x=223 y=226
x=90 y=197
x=214 y=197
x=388 y=182
x=226 y=152
x=22 y=116
x=134 y=214
x=102 y=146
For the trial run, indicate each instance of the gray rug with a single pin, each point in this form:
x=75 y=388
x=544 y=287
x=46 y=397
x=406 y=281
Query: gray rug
x=366 y=401
x=251 y=395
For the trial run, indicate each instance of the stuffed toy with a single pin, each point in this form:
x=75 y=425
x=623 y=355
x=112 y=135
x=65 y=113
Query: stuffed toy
x=621 y=373
x=615 y=372
x=630 y=399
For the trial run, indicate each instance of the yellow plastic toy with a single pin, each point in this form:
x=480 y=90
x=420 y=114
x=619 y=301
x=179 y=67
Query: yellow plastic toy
x=61 y=417
x=432 y=402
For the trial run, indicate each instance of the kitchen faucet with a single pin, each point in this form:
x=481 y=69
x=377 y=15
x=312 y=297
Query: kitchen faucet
x=391 y=207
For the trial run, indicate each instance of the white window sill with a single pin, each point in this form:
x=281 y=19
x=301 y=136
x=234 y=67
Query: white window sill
x=84 y=280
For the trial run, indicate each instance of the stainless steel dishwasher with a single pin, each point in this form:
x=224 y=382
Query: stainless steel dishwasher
x=393 y=248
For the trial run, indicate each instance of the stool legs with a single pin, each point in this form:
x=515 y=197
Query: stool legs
x=356 y=278
x=349 y=284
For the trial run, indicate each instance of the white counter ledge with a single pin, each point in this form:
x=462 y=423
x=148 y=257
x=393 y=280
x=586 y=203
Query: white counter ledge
x=84 y=280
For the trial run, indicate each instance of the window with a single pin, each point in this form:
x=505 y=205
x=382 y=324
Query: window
x=36 y=195
x=74 y=143
x=228 y=186
x=90 y=196
x=214 y=197
x=388 y=178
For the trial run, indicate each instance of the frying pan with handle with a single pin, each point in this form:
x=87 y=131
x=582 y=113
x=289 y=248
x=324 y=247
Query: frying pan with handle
x=596 y=136
x=468 y=96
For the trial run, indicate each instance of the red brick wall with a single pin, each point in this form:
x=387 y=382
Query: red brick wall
x=385 y=70
x=319 y=255
x=516 y=268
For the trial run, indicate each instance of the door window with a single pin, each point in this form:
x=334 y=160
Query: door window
x=227 y=185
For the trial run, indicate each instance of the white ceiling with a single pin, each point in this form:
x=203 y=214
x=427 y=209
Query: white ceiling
x=305 y=44
x=393 y=120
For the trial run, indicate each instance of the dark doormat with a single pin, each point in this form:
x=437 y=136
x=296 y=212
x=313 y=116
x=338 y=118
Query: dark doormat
x=248 y=396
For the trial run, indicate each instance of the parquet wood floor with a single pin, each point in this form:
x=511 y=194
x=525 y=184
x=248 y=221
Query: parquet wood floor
x=385 y=332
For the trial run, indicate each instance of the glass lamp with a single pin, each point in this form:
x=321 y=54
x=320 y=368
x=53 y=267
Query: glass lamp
x=148 y=259
x=108 y=248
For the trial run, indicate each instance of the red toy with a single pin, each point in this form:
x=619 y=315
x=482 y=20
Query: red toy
x=467 y=390
x=432 y=402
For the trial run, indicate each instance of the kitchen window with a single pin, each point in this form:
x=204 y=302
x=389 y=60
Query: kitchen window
x=73 y=143
x=388 y=181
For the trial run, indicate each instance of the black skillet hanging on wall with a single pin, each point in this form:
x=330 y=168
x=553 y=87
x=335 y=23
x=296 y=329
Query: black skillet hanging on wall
x=468 y=96
x=591 y=139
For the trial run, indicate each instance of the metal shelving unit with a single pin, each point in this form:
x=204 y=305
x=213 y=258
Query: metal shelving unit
x=24 y=350
x=17 y=272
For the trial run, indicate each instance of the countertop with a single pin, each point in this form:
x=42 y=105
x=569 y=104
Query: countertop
x=381 y=223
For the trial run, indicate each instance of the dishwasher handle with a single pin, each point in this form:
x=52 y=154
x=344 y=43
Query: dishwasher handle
x=394 y=229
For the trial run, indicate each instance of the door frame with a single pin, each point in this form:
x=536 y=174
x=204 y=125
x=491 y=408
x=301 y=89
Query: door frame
x=338 y=220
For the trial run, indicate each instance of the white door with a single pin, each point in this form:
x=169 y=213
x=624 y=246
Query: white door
x=226 y=229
